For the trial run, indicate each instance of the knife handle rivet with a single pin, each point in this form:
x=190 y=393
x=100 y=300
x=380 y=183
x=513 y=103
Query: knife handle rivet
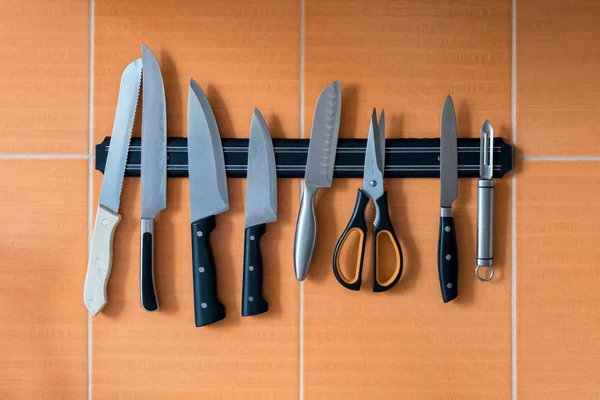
x=203 y=305
x=201 y=269
x=199 y=233
x=251 y=268
x=252 y=237
x=251 y=299
x=448 y=257
x=449 y=286
x=104 y=222
x=447 y=229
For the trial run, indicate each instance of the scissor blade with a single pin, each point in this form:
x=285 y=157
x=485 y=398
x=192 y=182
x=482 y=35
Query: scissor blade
x=381 y=145
x=373 y=175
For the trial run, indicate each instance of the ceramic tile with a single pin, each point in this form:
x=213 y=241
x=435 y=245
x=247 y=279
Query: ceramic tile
x=406 y=58
x=44 y=78
x=43 y=231
x=557 y=61
x=243 y=56
x=557 y=298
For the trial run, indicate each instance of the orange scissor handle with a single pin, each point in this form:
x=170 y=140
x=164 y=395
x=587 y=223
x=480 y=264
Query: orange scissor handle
x=358 y=225
x=385 y=231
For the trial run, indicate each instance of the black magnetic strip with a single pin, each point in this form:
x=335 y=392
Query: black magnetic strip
x=404 y=158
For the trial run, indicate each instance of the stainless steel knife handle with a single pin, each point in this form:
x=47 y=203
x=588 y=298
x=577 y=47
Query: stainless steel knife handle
x=147 y=289
x=485 y=227
x=306 y=232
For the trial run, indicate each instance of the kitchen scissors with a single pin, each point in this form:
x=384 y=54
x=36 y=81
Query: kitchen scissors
x=383 y=230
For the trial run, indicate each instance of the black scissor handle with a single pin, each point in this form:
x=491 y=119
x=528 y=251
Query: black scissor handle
x=357 y=224
x=385 y=231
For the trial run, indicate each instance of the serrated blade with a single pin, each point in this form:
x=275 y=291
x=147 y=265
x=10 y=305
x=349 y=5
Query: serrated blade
x=261 y=183
x=154 y=138
x=448 y=155
x=206 y=163
x=110 y=195
x=324 y=137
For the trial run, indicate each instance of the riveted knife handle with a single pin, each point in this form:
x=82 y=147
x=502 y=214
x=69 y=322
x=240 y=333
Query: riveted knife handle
x=100 y=261
x=253 y=301
x=447 y=256
x=147 y=289
x=306 y=232
x=207 y=307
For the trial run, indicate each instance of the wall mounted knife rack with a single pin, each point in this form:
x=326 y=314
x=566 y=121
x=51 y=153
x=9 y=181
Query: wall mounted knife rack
x=404 y=158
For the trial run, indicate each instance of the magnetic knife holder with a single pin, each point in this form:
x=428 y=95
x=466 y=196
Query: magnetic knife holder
x=404 y=158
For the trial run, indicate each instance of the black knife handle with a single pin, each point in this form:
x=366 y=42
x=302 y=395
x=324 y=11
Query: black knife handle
x=253 y=301
x=147 y=289
x=448 y=256
x=207 y=307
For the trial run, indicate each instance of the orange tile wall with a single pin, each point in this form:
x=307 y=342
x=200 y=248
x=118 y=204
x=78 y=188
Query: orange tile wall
x=530 y=66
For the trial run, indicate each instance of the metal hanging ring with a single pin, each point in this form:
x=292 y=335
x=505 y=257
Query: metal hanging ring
x=484 y=279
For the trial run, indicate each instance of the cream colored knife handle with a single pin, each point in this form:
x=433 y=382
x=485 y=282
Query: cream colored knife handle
x=100 y=261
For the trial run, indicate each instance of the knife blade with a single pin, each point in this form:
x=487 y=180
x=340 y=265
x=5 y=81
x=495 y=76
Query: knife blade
x=318 y=174
x=107 y=216
x=261 y=208
x=153 y=170
x=447 y=247
x=208 y=197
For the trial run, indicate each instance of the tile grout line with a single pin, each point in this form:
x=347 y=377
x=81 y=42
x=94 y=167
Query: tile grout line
x=46 y=156
x=90 y=189
x=513 y=305
x=561 y=158
x=301 y=291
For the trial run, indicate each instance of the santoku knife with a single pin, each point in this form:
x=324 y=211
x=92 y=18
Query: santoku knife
x=107 y=217
x=208 y=197
x=318 y=174
x=261 y=208
x=447 y=248
x=153 y=170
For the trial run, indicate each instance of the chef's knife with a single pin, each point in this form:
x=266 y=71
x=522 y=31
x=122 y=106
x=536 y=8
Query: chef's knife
x=208 y=197
x=318 y=174
x=447 y=248
x=107 y=217
x=153 y=170
x=261 y=208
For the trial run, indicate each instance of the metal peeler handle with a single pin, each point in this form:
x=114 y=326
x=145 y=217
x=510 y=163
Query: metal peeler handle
x=485 y=227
